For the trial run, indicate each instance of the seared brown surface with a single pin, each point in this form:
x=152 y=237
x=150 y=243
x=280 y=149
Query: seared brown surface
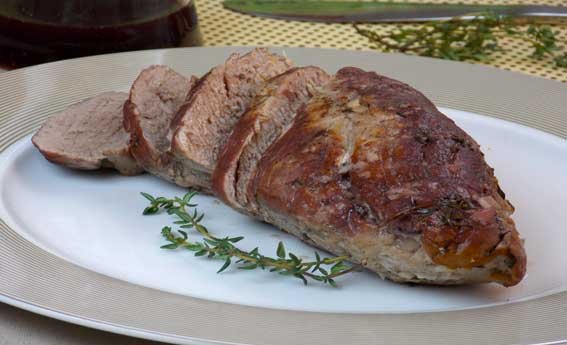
x=270 y=114
x=154 y=100
x=372 y=169
x=88 y=135
x=217 y=102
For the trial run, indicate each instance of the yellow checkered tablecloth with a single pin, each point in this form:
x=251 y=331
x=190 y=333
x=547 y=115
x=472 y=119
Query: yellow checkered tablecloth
x=221 y=27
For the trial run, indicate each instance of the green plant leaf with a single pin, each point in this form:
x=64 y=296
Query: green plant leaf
x=281 y=250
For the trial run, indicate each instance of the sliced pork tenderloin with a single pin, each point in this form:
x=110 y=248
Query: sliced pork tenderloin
x=89 y=135
x=270 y=115
x=155 y=98
x=371 y=169
x=216 y=104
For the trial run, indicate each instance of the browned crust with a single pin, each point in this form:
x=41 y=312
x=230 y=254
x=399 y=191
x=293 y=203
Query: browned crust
x=77 y=162
x=198 y=84
x=413 y=171
x=163 y=165
x=160 y=163
x=277 y=103
x=139 y=147
x=232 y=150
x=186 y=142
x=71 y=162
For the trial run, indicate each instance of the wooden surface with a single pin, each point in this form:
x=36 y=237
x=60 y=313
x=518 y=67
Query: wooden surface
x=19 y=327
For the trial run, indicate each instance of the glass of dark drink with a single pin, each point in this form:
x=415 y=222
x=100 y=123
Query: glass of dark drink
x=37 y=31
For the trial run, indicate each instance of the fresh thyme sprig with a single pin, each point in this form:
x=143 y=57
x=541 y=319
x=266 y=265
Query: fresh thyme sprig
x=323 y=270
x=471 y=39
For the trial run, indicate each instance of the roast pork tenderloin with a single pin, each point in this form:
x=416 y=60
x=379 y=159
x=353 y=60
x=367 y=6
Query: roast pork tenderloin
x=216 y=104
x=358 y=164
x=371 y=169
x=155 y=97
x=89 y=135
x=270 y=114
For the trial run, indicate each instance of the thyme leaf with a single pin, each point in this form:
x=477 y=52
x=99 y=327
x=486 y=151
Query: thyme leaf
x=473 y=39
x=187 y=216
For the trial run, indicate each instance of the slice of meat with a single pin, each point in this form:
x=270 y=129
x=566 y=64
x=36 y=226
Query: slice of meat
x=270 y=115
x=89 y=135
x=218 y=101
x=155 y=97
x=371 y=169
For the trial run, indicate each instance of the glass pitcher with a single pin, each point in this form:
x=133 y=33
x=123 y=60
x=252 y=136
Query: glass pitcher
x=36 y=31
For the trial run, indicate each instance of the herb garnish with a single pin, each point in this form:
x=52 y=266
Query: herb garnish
x=471 y=39
x=323 y=270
